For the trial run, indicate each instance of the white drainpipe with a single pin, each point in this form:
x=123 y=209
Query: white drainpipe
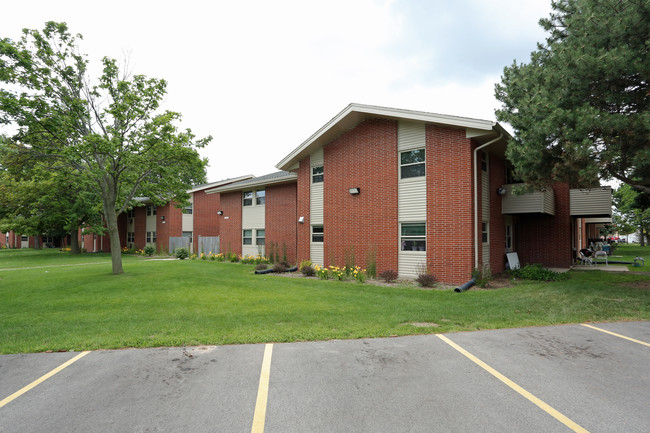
x=476 y=196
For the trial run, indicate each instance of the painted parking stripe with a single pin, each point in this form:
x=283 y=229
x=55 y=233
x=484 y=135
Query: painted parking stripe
x=262 y=392
x=539 y=403
x=616 y=335
x=42 y=379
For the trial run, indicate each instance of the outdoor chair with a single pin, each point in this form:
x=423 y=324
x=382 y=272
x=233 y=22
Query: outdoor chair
x=586 y=259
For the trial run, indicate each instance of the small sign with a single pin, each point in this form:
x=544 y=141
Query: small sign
x=226 y=218
x=513 y=260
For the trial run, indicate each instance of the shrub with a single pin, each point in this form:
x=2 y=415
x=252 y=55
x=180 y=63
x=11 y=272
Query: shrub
x=337 y=273
x=483 y=276
x=261 y=266
x=538 y=273
x=304 y=263
x=285 y=264
x=322 y=273
x=181 y=253
x=389 y=276
x=359 y=274
x=426 y=280
x=149 y=250
x=280 y=267
x=308 y=271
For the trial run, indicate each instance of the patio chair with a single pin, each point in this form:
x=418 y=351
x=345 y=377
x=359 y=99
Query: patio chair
x=585 y=257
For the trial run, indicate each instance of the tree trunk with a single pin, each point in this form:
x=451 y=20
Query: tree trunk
x=74 y=241
x=642 y=233
x=110 y=217
x=37 y=243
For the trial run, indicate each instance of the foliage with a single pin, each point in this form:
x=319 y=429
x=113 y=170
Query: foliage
x=181 y=253
x=580 y=107
x=111 y=133
x=261 y=266
x=308 y=271
x=631 y=213
x=322 y=272
x=426 y=280
x=371 y=262
x=359 y=274
x=149 y=250
x=483 y=276
x=280 y=267
x=389 y=275
x=536 y=272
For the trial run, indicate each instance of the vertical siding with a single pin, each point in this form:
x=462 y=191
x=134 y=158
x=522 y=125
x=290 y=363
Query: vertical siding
x=485 y=210
x=253 y=217
x=411 y=197
x=317 y=253
x=187 y=224
x=317 y=192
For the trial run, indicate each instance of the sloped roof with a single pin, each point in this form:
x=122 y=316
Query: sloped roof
x=354 y=114
x=268 y=179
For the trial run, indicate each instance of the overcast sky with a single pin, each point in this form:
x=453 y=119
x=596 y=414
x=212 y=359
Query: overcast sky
x=261 y=76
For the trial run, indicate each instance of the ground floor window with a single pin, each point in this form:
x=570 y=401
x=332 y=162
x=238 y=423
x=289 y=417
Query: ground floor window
x=130 y=236
x=508 y=237
x=259 y=237
x=247 y=237
x=188 y=235
x=485 y=235
x=317 y=233
x=413 y=237
x=151 y=237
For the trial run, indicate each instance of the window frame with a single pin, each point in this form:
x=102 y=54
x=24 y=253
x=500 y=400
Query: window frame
x=249 y=237
x=485 y=232
x=403 y=165
x=188 y=210
x=260 y=197
x=130 y=236
x=151 y=210
x=258 y=237
x=410 y=242
x=318 y=234
x=318 y=177
x=247 y=201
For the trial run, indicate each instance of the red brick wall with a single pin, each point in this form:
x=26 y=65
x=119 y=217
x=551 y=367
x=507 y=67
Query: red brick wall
x=140 y=227
x=303 y=210
x=450 y=219
x=206 y=220
x=497 y=219
x=365 y=157
x=281 y=218
x=171 y=226
x=545 y=238
x=231 y=224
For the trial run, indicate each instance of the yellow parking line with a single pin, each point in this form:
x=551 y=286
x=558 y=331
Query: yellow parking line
x=539 y=403
x=616 y=335
x=42 y=379
x=263 y=391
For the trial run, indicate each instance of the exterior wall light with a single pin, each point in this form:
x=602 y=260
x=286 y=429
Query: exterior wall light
x=354 y=191
x=501 y=191
x=301 y=220
x=220 y=212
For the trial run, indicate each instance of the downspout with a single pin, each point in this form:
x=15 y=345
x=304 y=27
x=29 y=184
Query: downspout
x=476 y=196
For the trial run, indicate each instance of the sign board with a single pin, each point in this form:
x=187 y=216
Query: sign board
x=513 y=260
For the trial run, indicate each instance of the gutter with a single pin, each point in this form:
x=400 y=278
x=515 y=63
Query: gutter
x=476 y=196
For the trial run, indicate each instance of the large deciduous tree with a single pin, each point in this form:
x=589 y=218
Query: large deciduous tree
x=579 y=108
x=112 y=133
x=632 y=212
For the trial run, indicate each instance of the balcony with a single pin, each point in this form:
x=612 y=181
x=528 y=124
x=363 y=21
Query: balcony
x=538 y=202
x=595 y=202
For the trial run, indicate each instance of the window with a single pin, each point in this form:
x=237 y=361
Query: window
x=260 y=197
x=508 y=237
x=151 y=237
x=130 y=214
x=484 y=232
x=317 y=174
x=151 y=210
x=414 y=237
x=187 y=210
x=188 y=235
x=317 y=234
x=412 y=163
x=130 y=237
x=259 y=237
x=484 y=162
x=248 y=198
x=247 y=237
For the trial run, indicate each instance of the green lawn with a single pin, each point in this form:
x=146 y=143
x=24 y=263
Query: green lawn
x=173 y=303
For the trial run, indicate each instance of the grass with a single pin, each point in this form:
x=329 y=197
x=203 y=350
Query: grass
x=175 y=303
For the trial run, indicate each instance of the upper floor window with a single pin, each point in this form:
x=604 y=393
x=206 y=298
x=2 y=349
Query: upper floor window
x=130 y=213
x=317 y=174
x=412 y=163
x=187 y=210
x=317 y=233
x=248 y=198
x=260 y=197
x=151 y=210
x=414 y=237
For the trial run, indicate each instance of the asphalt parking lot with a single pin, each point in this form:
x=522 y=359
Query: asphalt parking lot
x=550 y=379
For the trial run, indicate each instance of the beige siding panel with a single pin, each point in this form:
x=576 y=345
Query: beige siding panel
x=317 y=158
x=486 y=254
x=150 y=223
x=412 y=199
x=410 y=262
x=597 y=201
x=317 y=194
x=533 y=202
x=485 y=195
x=253 y=217
x=317 y=253
x=410 y=136
x=188 y=223
x=251 y=250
